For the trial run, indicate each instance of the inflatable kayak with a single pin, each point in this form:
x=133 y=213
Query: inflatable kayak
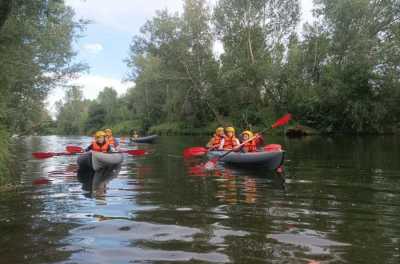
x=270 y=160
x=148 y=139
x=96 y=161
x=96 y=168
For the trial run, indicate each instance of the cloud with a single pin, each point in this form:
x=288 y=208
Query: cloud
x=93 y=48
x=91 y=85
x=306 y=11
x=121 y=15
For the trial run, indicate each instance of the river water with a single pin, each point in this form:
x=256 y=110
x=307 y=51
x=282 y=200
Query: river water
x=338 y=201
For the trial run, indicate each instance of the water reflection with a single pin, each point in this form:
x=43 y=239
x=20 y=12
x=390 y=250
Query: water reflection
x=338 y=202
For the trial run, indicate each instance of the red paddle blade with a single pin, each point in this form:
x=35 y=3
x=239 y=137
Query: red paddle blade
x=41 y=181
x=43 y=155
x=137 y=152
x=211 y=164
x=194 y=152
x=283 y=121
x=74 y=149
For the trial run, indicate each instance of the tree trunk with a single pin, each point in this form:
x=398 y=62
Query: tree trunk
x=5 y=10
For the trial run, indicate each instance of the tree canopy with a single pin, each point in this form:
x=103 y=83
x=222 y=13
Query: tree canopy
x=340 y=74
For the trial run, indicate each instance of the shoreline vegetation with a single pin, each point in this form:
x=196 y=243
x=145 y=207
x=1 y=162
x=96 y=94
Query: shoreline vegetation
x=338 y=76
x=240 y=63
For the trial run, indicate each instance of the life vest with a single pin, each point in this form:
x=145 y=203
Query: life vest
x=111 y=141
x=103 y=148
x=250 y=146
x=230 y=142
x=216 y=141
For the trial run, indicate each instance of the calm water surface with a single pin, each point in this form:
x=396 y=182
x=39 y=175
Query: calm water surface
x=337 y=202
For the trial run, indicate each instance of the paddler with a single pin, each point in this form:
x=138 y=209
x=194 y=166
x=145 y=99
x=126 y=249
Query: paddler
x=217 y=141
x=250 y=146
x=135 y=135
x=230 y=141
x=110 y=139
x=100 y=144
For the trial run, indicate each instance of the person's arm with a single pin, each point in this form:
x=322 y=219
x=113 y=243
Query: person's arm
x=111 y=149
x=221 y=145
x=89 y=148
x=209 y=144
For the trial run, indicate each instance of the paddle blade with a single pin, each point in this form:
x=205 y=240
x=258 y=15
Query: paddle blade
x=41 y=181
x=283 y=121
x=211 y=164
x=194 y=152
x=74 y=149
x=137 y=152
x=43 y=155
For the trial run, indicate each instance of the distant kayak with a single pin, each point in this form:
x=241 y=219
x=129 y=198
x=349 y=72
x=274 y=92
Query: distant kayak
x=148 y=139
x=270 y=160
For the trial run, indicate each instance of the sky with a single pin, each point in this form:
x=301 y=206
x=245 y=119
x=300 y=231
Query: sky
x=105 y=43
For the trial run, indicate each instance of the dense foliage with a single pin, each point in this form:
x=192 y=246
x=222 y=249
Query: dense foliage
x=341 y=74
x=35 y=55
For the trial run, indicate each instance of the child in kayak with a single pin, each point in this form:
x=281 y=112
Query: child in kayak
x=216 y=142
x=250 y=146
x=110 y=139
x=100 y=144
x=230 y=141
x=135 y=135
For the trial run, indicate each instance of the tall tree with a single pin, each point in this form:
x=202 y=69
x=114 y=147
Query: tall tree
x=254 y=35
x=71 y=113
x=36 y=55
x=357 y=82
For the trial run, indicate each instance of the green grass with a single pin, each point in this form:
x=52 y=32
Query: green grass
x=4 y=158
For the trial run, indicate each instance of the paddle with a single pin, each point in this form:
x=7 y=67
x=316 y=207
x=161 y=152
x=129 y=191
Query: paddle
x=210 y=165
x=74 y=149
x=46 y=155
x=133 y=152
x=194 y=152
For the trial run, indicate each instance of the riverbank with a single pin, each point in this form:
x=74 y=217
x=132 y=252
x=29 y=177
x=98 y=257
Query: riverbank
x=4 y=158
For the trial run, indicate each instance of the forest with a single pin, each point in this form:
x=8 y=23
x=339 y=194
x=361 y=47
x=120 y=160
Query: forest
x=337 y=74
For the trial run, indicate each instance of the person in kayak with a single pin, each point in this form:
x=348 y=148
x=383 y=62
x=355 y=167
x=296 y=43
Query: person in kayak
x=216 y=142
x=135 y=135
x=250 y=146
x=110 y=139
x=230 y=141
x=100 y=144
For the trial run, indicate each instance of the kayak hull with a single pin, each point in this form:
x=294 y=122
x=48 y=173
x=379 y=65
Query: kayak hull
x=148 y=139
x=106 y=160
x=270 y=160
x=94 y=168
x=96 y=160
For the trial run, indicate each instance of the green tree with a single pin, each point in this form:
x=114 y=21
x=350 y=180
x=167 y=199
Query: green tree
x=356 y=84
x=71 y=114
x=254 y=35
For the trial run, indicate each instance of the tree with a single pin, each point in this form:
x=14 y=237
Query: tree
x=254 y=35
x=71 y=113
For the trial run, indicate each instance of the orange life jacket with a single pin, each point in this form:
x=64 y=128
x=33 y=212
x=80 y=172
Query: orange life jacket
x=216 y=141
x=103 y=148
x=230 y=142
x=111 y=141
x=250 y=146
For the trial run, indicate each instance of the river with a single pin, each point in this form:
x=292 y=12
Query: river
x=338 y=201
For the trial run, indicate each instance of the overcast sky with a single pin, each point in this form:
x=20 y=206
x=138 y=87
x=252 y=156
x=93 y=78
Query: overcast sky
x=106 y=41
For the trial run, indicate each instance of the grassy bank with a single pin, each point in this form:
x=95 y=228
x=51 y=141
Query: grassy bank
x=4 y=158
